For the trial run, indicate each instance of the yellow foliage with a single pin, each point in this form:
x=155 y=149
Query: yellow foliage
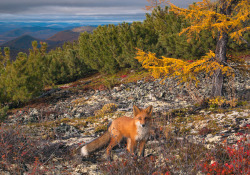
x=226 y=16
x=219 y=101
x=184 y=71
x=203 y=16
x=216 y=101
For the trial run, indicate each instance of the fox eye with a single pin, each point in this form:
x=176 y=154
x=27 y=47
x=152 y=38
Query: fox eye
x=139 y=118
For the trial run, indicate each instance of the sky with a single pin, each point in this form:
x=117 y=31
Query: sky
x=76 y=10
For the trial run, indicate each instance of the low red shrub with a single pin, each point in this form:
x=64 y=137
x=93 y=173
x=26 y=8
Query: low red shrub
x=238 y=162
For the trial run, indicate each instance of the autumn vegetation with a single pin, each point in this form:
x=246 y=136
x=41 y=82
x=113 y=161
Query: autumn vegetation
x=167 y=32
x=223 y=19
x=172 y=42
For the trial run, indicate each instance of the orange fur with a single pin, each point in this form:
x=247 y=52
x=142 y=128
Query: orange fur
x=135 y=129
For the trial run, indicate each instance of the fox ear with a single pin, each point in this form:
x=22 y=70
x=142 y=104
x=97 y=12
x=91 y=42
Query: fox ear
x=149 y=110
x=136 y=110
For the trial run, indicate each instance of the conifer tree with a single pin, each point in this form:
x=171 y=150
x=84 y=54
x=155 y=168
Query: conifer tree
x=22 y=79
x=4 y=59
x=131 y=36
x=223 y=18
x=112 y=47
x=4 y=62
x=65 y=65
x=168 y=26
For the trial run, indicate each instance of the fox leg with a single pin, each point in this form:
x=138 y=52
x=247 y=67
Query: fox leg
x=132 y=146
x=128 y=144
x=142 y=147
x=113 y=142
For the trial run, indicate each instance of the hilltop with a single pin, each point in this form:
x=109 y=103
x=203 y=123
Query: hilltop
x=64 y=36
x=22 y=42
x=84 y=29
x=70 y=35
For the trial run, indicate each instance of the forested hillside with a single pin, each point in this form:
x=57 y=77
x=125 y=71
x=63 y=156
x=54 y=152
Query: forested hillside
x=106 y=50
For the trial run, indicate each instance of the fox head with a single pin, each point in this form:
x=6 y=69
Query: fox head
x=142 y=116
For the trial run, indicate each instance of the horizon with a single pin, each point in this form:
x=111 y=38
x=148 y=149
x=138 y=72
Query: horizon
x=81 y=12
x=65 y=15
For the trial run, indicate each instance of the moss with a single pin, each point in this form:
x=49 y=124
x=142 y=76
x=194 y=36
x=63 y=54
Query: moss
x=242 y=103
x=46 y=124
x=100 y=128
x=180 y=119
x=182 y=112
x=96 y=118
x=87 y=133
x=196 y=118
x=65 y=120
x=218 y=110
x=3 y=113
x=127 y=89
x=79 y=101
x=91 y=119
x=78 y=123
x=212 y=124
x=107 y=108
x=185 y=130
x=205 y=131
x=110 y=82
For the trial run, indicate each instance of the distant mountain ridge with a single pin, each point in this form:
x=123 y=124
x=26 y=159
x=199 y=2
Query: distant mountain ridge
x=34 y=31
x=70 y=35
x=38 y=32
x=24 y=43
x=84 y=29
x=64 y=36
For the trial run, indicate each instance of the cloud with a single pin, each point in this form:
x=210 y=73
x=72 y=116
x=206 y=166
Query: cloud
x=66 y=6
x=77 y=6
x=76 y=10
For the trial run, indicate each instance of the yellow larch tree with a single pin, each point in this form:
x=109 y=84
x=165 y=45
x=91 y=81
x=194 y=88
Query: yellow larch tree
x=225 y=18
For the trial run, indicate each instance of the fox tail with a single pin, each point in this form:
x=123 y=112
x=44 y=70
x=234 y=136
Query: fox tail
x=96 y=144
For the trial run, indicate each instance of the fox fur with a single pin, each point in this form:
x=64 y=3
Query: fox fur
x=135 y=130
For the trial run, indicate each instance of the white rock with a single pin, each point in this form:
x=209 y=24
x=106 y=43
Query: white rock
x=213 y=139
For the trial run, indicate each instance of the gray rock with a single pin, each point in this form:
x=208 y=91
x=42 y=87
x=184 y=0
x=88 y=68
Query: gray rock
x=66 y=131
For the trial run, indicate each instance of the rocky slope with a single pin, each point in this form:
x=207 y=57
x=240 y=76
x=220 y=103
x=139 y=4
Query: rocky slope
x=72 y=116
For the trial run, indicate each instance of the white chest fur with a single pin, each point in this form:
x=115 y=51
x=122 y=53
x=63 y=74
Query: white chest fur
x=142 y=132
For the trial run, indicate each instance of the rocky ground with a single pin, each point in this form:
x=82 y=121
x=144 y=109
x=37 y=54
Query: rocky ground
x=73 y=116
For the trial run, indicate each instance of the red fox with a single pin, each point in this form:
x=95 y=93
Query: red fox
x=135 y=129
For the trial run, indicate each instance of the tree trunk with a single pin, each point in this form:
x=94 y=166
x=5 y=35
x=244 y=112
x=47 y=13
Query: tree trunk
x=221 y=48
x=220 y=56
